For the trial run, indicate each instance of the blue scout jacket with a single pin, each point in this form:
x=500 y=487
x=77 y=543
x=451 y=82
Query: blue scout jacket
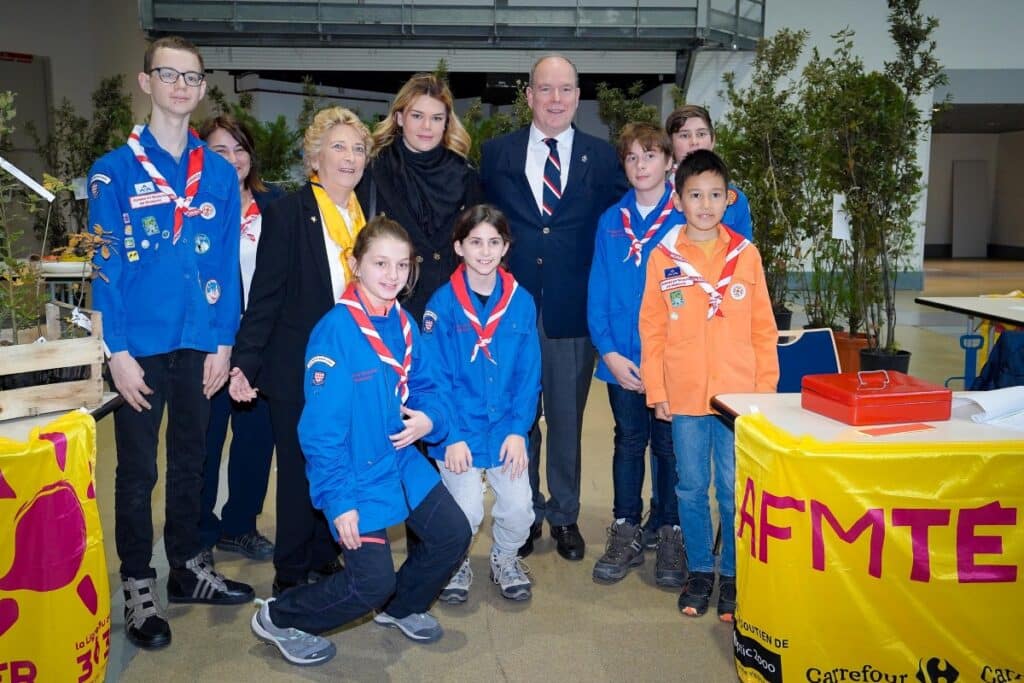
x=162 y=296
x=488 y=401
x=617 y=285
x=737 y=213
x=351 y=410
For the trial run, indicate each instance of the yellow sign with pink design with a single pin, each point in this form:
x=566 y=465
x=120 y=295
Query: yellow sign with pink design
x=869 y=562
x=54 y=595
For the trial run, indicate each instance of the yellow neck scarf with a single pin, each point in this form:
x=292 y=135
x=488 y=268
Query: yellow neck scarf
x=341 y=233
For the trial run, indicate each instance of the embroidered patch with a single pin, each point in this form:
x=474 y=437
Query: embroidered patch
x=212 y=291
x=149 y=225
x=202 y=243
x=738 y=291
x=129 y=242
x=94 y=183
x=675 y=297
x=133 y=256
x=319 y=377
x=144 y=188
x=141 y=201
x=326 y=360
x=731 y=197
x=429 y=318
x=673 y=272
x=676 y=282
x=127 y=230
x=207 y=210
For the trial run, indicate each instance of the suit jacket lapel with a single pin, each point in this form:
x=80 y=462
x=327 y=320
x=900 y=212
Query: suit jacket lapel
x=313 y=233
x=516 y=164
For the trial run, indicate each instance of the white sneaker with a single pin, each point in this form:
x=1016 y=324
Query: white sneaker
x=509 y=573
x=457 y=590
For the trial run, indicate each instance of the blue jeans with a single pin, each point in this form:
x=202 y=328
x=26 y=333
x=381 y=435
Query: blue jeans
x=635 y=427
x=252 y=449
x=700 y=440
x=369 y=580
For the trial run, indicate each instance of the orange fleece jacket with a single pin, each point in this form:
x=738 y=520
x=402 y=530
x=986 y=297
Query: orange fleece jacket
x=687 y=359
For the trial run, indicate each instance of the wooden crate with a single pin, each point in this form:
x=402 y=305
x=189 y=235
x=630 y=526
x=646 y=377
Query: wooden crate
x=56 y=353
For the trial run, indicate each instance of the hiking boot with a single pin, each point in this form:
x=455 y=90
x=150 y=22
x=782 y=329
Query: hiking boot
x=145 y=623
x=421 y=627
x=253 y=545
x=693 y=601
x=199 y=582
x=726 y=598
x=457 y=590
x=650 y=532
x=509 y=573
x=670 y=566
x=624 y=550
x=297 y=647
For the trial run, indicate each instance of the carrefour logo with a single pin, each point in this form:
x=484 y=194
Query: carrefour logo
x=937 y=670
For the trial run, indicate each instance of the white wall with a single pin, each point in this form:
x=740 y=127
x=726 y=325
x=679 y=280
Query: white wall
x=1009 y=212
x=945 y=150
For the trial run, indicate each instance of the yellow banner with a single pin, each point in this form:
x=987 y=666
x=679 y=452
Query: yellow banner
x=54 y=596
x=875 y=562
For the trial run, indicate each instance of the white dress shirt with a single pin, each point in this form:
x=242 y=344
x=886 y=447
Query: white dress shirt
x=536 y=157
x=334 y=254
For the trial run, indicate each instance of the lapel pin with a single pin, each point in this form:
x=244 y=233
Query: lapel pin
x=312 y=219
x=583 y=158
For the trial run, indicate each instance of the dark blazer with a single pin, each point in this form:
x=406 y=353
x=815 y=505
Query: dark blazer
x=551 y=257
x=291 y=291
x=265 y=199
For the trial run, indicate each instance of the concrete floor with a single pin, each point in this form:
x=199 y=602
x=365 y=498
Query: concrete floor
x=571 y=629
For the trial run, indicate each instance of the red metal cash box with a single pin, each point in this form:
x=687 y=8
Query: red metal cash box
x=875 y=397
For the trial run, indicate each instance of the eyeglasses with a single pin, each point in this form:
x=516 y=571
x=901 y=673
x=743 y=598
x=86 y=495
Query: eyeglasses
x=170 y=76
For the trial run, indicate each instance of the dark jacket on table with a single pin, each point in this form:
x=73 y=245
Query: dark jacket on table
x=425 y=206
x=291 y=290
x=551 y=256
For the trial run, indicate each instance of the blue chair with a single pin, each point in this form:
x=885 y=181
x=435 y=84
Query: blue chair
x=805 y=352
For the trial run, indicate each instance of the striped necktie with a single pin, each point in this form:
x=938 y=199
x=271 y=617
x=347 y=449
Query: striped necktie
x=552 y=191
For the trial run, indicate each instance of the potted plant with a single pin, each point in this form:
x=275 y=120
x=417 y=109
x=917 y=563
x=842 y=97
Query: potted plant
x=868 y=126
x=767 y=143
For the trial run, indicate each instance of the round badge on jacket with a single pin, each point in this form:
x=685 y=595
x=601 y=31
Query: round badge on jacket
x=738 y=291
x=212 y=291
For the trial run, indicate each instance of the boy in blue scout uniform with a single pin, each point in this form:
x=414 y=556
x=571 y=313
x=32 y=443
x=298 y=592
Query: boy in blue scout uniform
x=690 y=129
x=626 y=234
x=169 y=291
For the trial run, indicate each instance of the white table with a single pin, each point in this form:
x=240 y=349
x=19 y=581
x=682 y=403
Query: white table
x=1006 y=310
x=784 y=411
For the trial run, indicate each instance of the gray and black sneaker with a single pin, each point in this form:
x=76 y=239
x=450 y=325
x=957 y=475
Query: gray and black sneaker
x=510 y=574
x=253 y=545
x=145 y=622
x=457 y=590
x=199 y=582
x=670 y=562
x=297 y=647
x=419 y=626
x=624 y=550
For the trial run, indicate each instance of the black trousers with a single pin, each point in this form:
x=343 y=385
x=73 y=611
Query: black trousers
x=303 y=540
x=369 y=579
x=176 y=379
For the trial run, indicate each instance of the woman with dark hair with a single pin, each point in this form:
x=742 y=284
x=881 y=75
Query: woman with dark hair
x=419 y=176
x=252 y=440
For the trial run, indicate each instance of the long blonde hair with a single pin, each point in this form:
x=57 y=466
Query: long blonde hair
x=455 y=136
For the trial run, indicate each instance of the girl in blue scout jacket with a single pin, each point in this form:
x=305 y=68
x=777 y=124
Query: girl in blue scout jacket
x=369 y=398
x=626 y=234
x=480 y=340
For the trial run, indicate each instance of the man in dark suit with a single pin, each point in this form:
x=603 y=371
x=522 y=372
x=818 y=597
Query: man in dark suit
x=553 y=182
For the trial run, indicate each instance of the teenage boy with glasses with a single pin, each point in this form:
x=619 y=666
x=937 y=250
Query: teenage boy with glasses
x=170 y=298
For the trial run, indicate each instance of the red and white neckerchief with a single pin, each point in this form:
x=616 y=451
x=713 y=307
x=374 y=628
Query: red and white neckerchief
x=636 y=246
x=737 y=243
x=484 y=333
x=248 y=221
x=355 y=306
x=195 y=172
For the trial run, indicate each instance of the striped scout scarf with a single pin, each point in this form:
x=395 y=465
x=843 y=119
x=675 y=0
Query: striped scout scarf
x=195 y=172
x=737 y=243
x=484 y=333
x=355 y=306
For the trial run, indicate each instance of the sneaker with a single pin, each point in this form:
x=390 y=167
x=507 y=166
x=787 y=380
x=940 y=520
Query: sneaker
x=693 y=601
x=624 y=550
x=199 y=582
x=205 y=556
x=253 y=545
x=145 y=623
x=421 y=627
x=650 y=532
x=298 y=647
x=457 y=590
x=669 y=565
x=509 y=572
x=726 y=598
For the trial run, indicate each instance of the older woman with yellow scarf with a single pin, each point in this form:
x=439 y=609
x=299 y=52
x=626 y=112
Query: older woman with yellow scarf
x=301 y=270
